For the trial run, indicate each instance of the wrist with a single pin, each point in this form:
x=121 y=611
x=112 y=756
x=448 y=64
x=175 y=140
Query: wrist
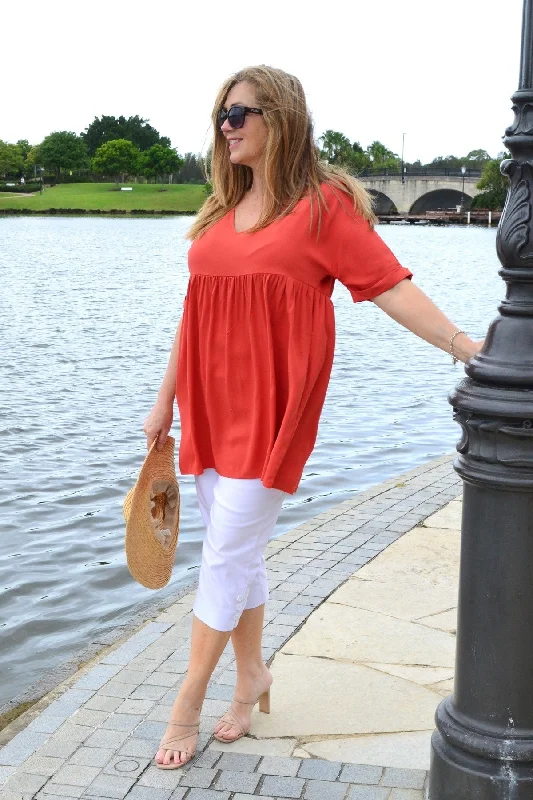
x=464 y=348
x=165 y=397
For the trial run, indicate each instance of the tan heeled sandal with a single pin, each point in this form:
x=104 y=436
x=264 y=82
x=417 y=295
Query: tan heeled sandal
x=232 y=719
x=169 y=744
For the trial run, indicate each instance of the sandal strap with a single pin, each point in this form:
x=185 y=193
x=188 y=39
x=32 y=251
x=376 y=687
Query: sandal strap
x=232 y=718
x=168 y=744
x=185 y=725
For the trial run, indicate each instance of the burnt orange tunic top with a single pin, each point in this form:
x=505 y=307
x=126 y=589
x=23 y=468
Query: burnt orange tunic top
x=258 y=335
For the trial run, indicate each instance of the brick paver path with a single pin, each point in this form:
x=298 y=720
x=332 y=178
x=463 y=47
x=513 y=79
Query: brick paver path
x=98 y=739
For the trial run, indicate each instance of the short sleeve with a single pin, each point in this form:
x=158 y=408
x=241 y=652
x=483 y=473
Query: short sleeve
x=358 y=256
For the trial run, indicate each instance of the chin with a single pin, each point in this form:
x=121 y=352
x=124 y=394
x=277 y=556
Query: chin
x=235 y=158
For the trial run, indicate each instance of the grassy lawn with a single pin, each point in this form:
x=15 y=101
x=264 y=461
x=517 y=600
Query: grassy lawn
x=104 y=197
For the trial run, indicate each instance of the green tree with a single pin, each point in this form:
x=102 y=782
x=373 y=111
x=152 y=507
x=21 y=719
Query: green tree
x=11 y=159
x=446 y=162
x=359 y=159
x=494 y=186
x=159 y=160
x=381 y=157
x=24 y=147
x=191 y=170
x=336 y=148
x=63 y=150
x=33 y=157
x=135 y=129
x=475 y=159
x=478 y=157
x=117 y=158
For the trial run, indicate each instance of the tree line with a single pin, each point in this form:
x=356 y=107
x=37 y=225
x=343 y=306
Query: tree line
x=120 y=147
x=110 y=146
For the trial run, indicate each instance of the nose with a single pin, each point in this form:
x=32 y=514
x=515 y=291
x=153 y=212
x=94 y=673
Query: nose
x=226 y=126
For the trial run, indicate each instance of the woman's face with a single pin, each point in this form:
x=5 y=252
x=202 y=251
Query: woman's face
x=246 y=145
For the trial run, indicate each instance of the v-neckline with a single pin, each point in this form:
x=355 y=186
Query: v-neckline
x=279 y=219
x=238 y=233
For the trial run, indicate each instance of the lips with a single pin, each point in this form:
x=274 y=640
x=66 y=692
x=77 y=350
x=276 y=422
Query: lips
x=233 y=142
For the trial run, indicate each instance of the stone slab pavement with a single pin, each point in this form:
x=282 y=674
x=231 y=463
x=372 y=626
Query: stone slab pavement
x=359 y=632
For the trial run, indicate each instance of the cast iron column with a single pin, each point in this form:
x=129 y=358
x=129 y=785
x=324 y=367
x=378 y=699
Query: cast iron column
x=483 y=746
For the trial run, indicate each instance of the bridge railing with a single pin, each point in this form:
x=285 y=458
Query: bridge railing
x=412 y=172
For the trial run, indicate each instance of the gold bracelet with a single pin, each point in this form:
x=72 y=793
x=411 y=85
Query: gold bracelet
x=454 y=357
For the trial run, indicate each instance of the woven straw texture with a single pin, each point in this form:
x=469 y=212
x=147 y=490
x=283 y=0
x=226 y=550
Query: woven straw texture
x=150 y=561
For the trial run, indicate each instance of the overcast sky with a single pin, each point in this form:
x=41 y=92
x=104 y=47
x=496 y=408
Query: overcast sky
x=442 y=72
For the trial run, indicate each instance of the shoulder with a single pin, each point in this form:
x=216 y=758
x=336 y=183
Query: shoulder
x=340 y=210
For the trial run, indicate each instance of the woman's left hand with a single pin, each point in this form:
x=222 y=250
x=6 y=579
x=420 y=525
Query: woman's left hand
x=465 y=349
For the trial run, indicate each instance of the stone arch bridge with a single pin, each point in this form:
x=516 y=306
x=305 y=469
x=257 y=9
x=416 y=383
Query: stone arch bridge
x=419 y=193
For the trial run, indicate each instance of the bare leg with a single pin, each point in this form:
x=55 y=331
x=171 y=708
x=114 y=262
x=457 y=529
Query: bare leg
x=207 y=645
x=253 y=677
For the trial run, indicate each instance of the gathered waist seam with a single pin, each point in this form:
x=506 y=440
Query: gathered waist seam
x=270 y=274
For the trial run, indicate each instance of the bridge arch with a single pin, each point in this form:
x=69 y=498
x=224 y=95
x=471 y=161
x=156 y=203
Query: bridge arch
x=382 y=203
x=405 y=194
x=440 y=200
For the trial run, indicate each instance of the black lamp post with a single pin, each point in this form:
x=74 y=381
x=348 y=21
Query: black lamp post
x=463 y=171
x=483 y=746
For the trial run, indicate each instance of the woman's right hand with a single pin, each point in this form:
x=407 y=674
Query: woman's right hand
x=158 y=423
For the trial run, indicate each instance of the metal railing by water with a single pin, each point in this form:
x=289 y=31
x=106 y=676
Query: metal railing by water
x=415 y=172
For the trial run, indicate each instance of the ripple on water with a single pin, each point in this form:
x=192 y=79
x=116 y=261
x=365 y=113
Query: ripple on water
x=88 y=313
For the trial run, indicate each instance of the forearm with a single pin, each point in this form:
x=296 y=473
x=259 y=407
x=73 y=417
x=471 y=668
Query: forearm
x=168 y=386
x=407 y=304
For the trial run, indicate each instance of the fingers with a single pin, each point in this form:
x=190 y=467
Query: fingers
x=163 y=433
x=161 y=437
x=156 y=427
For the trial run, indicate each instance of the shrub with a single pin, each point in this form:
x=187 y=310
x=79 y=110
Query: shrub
x=27 y=187
x=489 y=201
x=75 y=179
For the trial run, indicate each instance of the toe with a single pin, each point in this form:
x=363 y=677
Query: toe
x=228 y=732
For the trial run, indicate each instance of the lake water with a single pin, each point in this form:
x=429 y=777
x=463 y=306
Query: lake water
x=88 y=312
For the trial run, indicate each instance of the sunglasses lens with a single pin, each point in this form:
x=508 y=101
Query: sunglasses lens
x=236 y=117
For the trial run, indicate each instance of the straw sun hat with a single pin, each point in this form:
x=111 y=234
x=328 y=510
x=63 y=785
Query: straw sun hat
x=152 y=513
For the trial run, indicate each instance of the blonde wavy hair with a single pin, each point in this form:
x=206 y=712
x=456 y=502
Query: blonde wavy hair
x=291 y=167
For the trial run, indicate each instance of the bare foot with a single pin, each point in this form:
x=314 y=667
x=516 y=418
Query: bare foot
x=236 y=722
x=178 y=745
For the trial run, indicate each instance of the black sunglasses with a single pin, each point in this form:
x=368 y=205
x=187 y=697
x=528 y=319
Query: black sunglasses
x=236 y=115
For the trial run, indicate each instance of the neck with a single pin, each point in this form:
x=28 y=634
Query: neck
x=256 y=189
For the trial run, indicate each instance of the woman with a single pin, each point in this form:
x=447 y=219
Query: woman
x=252 y=359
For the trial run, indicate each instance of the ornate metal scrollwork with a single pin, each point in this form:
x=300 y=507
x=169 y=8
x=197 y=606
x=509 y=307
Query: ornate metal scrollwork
x=516 y=230
x=461 y=418
x=508 y=442
x=523 y=121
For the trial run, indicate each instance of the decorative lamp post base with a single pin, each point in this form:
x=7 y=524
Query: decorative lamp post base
x=458 y=775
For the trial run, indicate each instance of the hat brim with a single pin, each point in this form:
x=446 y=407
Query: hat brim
x=151 y=542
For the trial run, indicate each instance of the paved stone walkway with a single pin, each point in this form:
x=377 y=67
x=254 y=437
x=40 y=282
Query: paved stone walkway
x=98 y=738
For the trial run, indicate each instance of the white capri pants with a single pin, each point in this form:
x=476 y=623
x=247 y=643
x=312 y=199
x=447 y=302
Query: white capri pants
x=240 y=515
